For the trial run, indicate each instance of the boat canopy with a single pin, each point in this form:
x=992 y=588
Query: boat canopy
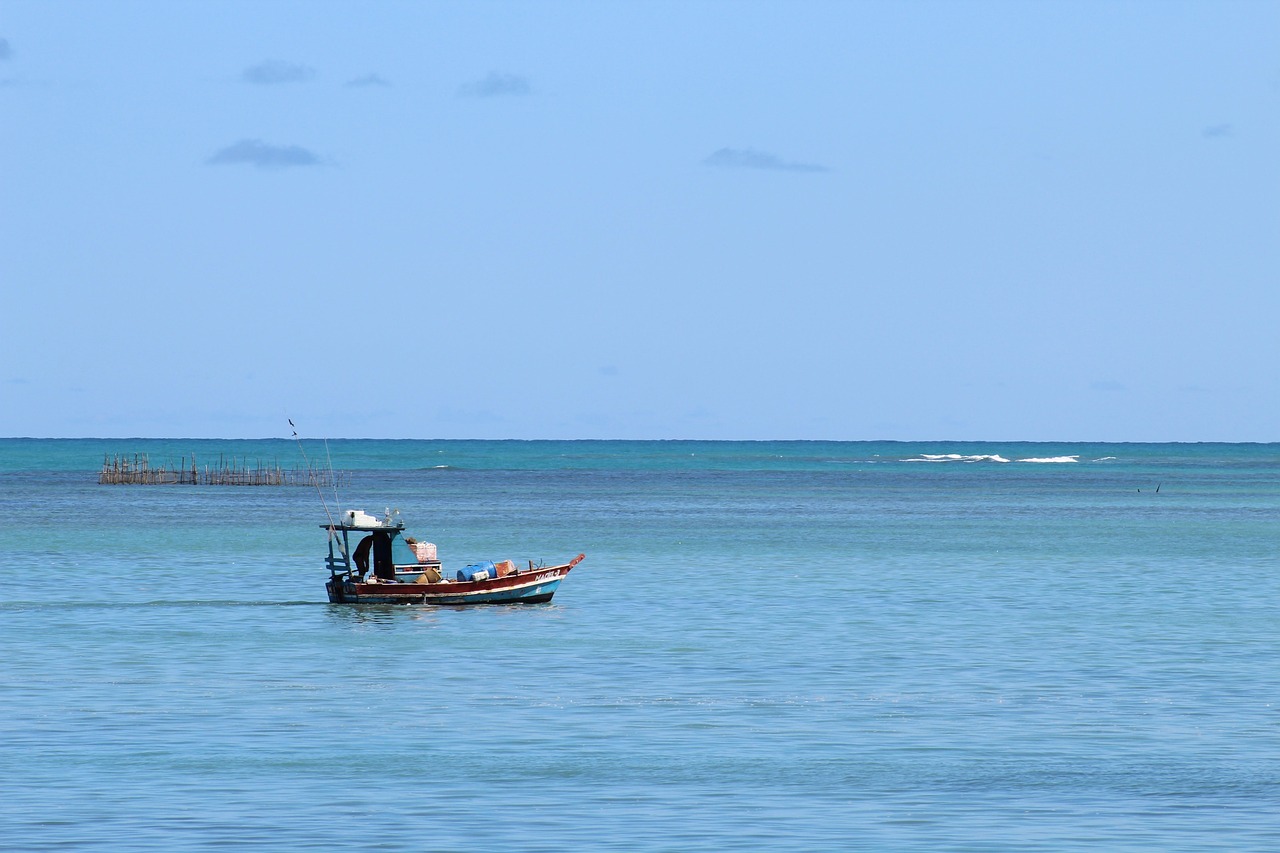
x=359 y=536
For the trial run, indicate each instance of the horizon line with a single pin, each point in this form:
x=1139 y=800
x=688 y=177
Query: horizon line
x=689 y=440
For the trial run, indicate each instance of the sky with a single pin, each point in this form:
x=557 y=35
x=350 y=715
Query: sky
x=1054 y=221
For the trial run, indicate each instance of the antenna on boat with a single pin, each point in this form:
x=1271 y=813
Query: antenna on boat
x=303 y=451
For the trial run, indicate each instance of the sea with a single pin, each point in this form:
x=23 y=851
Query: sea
x=941 y=646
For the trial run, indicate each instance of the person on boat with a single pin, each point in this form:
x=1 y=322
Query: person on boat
x=383 y=566
x=379 y=544
x=361 y=555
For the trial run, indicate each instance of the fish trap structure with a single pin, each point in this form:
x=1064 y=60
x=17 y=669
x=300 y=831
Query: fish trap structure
x=137 y=470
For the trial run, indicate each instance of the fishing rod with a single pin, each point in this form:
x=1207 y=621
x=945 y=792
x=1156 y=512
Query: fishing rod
x=314 y=480
x=333 y=478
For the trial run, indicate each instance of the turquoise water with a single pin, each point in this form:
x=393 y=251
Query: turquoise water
x=770 y=646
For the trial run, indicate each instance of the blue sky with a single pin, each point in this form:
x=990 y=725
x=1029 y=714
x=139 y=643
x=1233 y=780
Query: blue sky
x=854 y=220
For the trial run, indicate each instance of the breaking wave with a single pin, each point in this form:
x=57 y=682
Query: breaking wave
x=989 y=457
x=955 y=457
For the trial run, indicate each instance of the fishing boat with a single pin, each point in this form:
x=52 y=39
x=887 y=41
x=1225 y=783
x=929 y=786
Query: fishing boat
x=371 y=561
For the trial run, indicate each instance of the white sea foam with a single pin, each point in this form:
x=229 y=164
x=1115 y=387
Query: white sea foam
x=1052 y=460
x=955 y=457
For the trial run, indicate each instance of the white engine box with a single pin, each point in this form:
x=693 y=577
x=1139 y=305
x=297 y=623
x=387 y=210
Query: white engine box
x=359 y=518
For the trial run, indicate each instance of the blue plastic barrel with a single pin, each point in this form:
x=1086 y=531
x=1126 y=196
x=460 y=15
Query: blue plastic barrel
x=469 y=572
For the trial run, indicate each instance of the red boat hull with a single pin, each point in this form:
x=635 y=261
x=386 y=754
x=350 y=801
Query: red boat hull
x=528 y=586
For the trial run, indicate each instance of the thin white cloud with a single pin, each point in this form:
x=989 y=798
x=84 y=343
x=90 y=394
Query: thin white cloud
x=749 y=158
x=367 y=81
x=273 y=72
x=496 y=85
x=255 y=152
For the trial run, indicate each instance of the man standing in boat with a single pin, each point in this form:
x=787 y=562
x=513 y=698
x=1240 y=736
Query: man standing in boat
x=383 y=567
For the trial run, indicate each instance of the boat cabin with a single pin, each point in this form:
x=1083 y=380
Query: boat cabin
x=361 y=544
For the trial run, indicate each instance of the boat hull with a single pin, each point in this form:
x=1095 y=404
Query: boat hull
x=535 y=586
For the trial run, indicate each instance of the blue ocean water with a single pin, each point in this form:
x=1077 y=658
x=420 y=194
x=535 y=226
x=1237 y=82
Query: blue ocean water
x=790 y=645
